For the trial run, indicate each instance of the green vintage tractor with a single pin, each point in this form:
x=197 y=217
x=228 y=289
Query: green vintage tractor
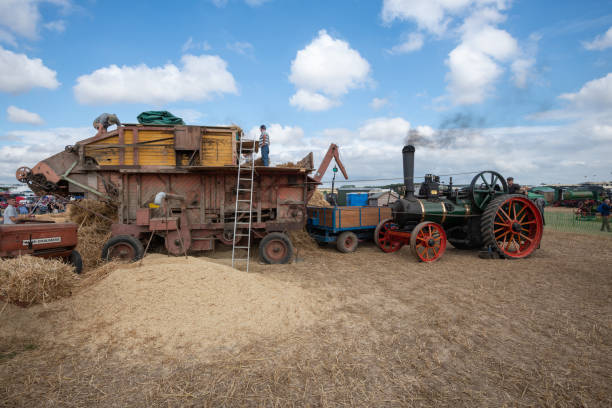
x=482 y=215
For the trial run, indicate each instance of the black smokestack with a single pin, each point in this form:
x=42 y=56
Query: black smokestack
x=408 y=156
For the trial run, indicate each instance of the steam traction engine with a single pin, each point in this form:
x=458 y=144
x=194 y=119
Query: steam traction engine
x=481 y=215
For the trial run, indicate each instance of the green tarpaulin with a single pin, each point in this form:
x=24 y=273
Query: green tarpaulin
x=159 y=118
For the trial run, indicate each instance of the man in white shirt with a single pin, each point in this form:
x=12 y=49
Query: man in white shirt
x=10 y=213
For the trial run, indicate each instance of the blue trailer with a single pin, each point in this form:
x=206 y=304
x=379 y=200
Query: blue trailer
x=345 y=226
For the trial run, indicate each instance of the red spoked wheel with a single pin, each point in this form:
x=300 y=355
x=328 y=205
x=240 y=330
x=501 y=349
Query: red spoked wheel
x=428 y=241
x=512 y=224
x=382 y=238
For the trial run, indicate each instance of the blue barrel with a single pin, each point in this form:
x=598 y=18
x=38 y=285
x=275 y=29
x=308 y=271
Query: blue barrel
x=357 y=199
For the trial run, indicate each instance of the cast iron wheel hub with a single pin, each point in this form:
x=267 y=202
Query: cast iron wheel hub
x=431 y=242
x=516 y=227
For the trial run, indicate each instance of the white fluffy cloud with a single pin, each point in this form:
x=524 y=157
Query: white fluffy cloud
x=484 y=50
x=22 y=18
x=601 y=42
x=413 y=42
x=26 y=148
x=199 y=78
x=18 y=115
x=324 y=70
x=19 y=73
x=312 y=101
x=378 y=103
x=480 y=59
x=594 y=96
x=372 y=150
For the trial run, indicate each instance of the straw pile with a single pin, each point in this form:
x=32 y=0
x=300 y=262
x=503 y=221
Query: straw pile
x=94 y=230
x=318 y=200
x=26 y=280
x=180 y=305
x=301 y=240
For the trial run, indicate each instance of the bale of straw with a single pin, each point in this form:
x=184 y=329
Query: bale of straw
x=27 y=280
x=318 y=200
x=85 y=213
x=94 y=230
x=91 y=240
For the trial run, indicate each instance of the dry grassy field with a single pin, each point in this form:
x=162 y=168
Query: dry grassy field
x=332 y=329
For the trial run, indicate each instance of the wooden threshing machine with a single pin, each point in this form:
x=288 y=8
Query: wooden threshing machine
x=196 y=167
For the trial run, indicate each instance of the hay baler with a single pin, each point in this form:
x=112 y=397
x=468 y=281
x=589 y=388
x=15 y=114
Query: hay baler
x=42 y=239
x=482 y=215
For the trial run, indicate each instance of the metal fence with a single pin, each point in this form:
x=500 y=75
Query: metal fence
x=569 y=222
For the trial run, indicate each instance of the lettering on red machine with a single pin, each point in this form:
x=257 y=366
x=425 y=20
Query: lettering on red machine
x=41 y=241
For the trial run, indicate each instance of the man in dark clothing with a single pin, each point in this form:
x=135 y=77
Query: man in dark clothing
x=102 y=122
x=604 y=209
x=513 y=188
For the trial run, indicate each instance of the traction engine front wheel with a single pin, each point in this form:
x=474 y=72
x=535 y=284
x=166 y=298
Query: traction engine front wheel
x=428 y=241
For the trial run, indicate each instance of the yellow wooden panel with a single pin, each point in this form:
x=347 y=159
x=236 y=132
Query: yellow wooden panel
x=160 y=149
x=129 y=151
x=217 y=149
x=104 y=157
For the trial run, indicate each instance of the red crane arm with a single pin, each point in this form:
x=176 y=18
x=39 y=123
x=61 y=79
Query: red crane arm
x=332 y=152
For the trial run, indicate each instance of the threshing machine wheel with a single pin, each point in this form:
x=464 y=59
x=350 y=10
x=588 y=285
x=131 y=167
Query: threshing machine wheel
x=347 y=242
x=22 y=174
x=76 y=260
x=513 y=225
x=226 y=237
x=382 y=238
x=123 y=248
x=276 y=248
x=428 y=241
x=486 y=186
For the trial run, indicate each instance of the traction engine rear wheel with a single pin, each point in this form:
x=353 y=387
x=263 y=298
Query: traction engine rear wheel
x=382 y=238
x=513 y=225
x=428 y=241
x=347 y=242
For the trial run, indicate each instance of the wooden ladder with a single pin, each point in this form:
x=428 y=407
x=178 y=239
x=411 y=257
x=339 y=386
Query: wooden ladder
x=245 y=176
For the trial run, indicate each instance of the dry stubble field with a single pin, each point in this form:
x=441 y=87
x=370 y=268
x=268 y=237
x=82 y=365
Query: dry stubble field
x=386 y=331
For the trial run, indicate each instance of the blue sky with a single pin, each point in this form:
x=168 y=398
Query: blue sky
x=522 y=87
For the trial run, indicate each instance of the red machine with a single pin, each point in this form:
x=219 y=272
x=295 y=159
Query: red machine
x=46 y=240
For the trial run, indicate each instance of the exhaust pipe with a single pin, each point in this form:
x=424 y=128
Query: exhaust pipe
x=408 y=156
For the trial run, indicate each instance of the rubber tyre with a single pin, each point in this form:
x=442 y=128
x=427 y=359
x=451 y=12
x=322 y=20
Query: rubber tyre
x=126 y=240
x=276 y=248
x=487 y=225
x=347 y=242
x=76 y=260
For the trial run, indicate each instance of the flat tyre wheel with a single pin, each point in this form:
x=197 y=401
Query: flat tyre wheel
x=124 y=248
x=276 y=248
x=347 y=242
